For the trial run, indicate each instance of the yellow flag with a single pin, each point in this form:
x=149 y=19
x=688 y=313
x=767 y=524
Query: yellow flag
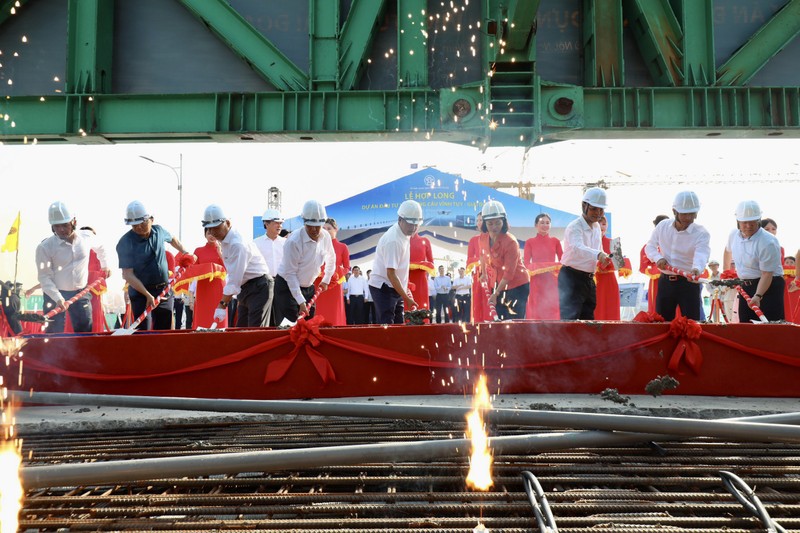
x=12 y=240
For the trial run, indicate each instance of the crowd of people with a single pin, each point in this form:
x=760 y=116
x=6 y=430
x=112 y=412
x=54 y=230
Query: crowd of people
x=280 y=277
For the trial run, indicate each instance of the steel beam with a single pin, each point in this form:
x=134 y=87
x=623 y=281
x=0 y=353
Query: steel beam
x=770 y=39
x=90 y=42
x=357 y=36
x=697 y=21
x=603 y=61
x=412 y=43
x=6 y=7
x=658 y=35
x=324 y=45
x=249 y=44
x=521 y=35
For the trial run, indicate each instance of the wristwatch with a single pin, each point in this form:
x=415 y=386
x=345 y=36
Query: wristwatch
x=760 y=295
x=223 y=304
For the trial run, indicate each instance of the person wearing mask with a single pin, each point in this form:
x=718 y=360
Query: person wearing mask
x=356 y=295
x=463 y=286
x=248 y=277
x=331 y=302
x=681 y=243
x=757 y=255
x=499 y=250
x=541 y=257
x=577 y=292
x=389 y=281
x=305 y=251
x=442 y=284
x=143 y=259
x=62 y=262
x=608 y=299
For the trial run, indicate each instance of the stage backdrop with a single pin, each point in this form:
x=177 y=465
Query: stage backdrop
x=449 y=205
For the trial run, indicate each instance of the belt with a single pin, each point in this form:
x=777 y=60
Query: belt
x=256 y=280
x=673 y=278
x=575 y=270
x=156 y=287
x=748 y=282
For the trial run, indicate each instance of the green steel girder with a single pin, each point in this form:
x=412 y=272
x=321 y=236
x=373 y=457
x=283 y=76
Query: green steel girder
x=603 y=62
x=658 y=35
x=6 y=6
x=90 y=40
x=770 y=39
x=249 y=44
x=324 y=45
x=357 y=36
x=521 y=31
x=697 y=21
x=412 y=43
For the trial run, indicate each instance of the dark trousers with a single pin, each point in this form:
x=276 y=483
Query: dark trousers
x=178 y=308
x=463 y=307
x=771 y=304
x=357 y=309
x=512 y=303
x=159 y=318
x=285 y=304
x=577 y=294
x=442 y=308
x=80 y=313
x=388 y=305
x=255 y=303
x=369 y=312
x=677 y=291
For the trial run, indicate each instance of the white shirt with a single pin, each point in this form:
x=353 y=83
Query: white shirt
x=272 y=250
x=64 y=266
x=358 y=286
x=243 y=262
x=393 y=251
x=367 y=294
x=302 y=258
x=582 y=245
x=442 y=284
x=688 y=249
x=463 y=286
x=759 y=253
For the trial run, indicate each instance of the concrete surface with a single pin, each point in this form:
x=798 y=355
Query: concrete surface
x=44 y=419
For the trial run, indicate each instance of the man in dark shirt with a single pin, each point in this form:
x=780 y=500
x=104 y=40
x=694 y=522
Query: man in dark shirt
x=143 y=260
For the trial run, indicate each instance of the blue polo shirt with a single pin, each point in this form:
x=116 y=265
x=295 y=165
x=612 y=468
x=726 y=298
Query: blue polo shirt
x=147 y=257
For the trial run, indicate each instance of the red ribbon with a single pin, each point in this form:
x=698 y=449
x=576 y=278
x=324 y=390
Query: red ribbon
x=303 y=334
x=687 y=331
x=648 y=317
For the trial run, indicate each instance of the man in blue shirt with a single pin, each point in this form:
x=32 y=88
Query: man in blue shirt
x=143 y=260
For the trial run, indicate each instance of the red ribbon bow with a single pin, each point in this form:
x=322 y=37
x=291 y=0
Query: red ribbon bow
x=304 y=333
x=648 y=317
x=686 y=331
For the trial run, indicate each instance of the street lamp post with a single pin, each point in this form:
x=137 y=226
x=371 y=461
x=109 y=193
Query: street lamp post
x=179 y=176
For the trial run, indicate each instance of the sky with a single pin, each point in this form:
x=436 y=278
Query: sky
x=643 y=176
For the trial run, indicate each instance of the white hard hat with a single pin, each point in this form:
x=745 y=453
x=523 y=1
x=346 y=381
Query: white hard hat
x=713 y=262
x=493 y=209
x=411 y=212
x=271 y=215
x=748 y=211
x=596 y=197
x=686 y=202
x=314 y=213
x=213 y=216
x=59 y=213
x=135 y=213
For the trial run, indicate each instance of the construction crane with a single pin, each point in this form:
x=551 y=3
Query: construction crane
x=523 y=189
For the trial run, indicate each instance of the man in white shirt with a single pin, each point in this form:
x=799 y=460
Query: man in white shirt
x=271 y=247
x=248 y=277
x=463 y=286
x=680 y=243
x=369 y=305
x=389 y=281
x=356 y=295
x=304 y=252
x=583 y=247
x=63 y=268
x=442 y=284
